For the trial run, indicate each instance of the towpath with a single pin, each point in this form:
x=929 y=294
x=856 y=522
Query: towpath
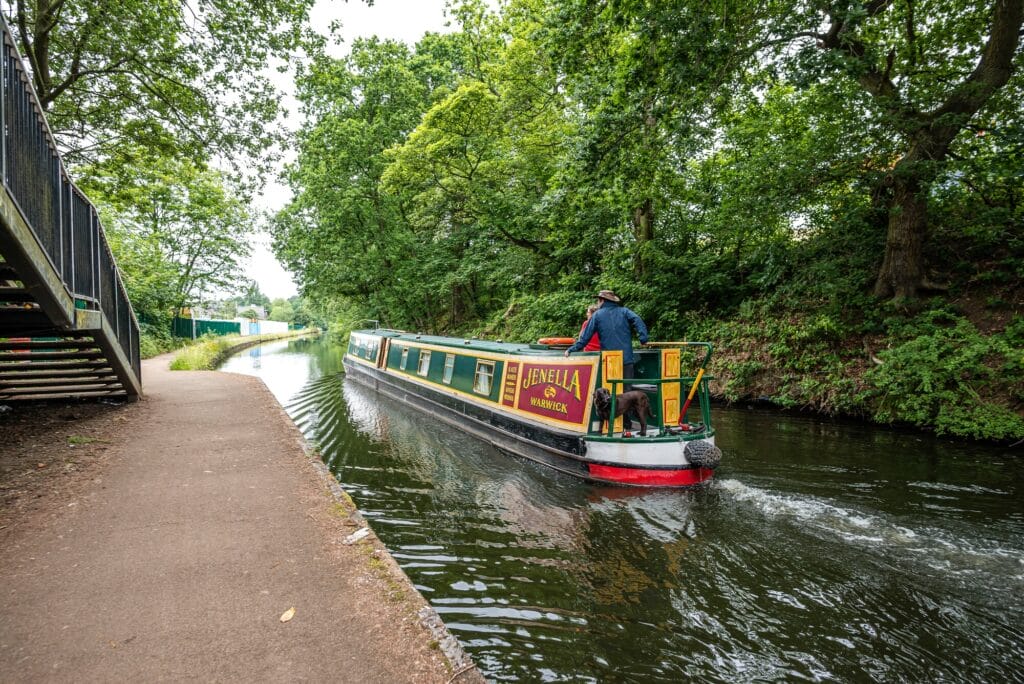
x=174 y=553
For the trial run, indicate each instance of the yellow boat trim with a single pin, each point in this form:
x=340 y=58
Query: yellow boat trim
x=582 y=427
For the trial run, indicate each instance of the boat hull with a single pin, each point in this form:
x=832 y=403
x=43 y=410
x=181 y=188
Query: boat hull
x=660 y=463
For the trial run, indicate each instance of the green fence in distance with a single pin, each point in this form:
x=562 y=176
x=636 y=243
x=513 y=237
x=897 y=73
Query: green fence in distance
x=183 y=327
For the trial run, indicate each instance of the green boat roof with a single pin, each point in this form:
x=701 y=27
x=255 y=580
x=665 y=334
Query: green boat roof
x=493 y=346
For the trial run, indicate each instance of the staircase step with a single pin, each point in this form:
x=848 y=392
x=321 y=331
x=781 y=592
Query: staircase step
x=15 y=294
x=68 y=394
x=19 y=376
x=39 y=381
x=44 y=344
x=50 y=355
x=14 y=392
x=27 y=365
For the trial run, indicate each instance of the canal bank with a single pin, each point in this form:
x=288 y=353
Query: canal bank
x=182 y=549
x=210 y=352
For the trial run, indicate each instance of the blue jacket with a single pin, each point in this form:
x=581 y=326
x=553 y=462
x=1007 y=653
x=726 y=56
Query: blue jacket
x=612 y=323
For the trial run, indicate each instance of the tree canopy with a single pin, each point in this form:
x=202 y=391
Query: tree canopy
x=165 y=113
x=831 y=166
x=180 y=231
x=562 y=142
x=186 y=79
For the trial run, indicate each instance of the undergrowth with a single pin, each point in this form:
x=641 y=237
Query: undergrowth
x=156 y=339
x=934 y=370
x=947 y=375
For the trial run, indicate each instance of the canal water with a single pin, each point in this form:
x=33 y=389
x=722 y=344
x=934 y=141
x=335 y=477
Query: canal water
x=821 y=551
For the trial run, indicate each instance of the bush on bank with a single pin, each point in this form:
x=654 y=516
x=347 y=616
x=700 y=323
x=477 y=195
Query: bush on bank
x=954 y=378
x=155 y=340
x=935 y=370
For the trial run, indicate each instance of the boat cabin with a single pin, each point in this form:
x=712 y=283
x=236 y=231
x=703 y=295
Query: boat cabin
x=537 y=382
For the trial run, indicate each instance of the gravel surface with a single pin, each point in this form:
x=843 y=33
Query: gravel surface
x=189 y=536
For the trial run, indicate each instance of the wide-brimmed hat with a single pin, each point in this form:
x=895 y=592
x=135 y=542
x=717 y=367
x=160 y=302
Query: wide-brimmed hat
x=609 y=295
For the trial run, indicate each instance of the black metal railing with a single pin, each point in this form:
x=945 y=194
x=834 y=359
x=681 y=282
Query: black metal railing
x=64 y=222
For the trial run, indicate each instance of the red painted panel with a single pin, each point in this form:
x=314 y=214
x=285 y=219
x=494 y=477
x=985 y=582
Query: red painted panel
x=555 y=391
x=508 y=392
x=650 y=478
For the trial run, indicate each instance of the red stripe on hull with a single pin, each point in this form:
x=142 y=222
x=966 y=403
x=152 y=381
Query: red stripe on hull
x=650 y=478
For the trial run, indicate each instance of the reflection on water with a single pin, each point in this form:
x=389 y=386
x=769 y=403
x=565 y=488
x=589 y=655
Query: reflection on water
x=821 y=551
x=290 y=366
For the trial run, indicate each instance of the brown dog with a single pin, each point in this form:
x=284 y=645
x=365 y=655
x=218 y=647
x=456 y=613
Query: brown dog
x=634 y=402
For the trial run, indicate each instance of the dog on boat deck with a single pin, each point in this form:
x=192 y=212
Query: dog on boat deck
x=633 y=403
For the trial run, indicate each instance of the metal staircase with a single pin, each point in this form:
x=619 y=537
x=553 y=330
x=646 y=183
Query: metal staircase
x=67 y=328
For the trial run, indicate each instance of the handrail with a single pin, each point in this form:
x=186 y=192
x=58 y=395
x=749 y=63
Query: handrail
x=699 y=381
x=64 y=222
x=651 y=381
x=707 y=345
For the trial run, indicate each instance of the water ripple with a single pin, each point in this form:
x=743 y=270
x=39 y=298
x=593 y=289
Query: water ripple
x=817 y=554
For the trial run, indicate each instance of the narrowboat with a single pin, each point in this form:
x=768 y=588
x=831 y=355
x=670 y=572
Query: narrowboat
x=532 y=401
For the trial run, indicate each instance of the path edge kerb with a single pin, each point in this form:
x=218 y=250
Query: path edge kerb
x=457 y=657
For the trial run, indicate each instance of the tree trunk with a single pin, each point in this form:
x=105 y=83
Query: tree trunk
x=902 y=272
x=931 y=132
x=643 y=229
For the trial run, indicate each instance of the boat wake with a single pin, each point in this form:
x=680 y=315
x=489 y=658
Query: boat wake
x=941 y=550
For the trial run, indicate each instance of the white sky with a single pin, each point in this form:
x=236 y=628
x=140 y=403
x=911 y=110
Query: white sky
x=404 y=20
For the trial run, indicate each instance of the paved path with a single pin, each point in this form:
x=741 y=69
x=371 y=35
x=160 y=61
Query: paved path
x=207 y=523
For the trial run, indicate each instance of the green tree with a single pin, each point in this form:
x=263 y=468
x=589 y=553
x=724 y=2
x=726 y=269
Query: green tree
x=649 y=78
x=178 y=230
x=343 y=238
x=252 y=294
x=281 y=310
x=168 y=77
x=303 y=314
x=477 y=170
x=148 y=275
x=929 y=68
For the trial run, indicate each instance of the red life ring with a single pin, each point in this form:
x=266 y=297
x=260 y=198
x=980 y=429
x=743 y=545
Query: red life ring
x=557 y=341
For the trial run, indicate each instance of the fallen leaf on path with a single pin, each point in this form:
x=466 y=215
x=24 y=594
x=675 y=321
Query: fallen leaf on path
x=288 y=615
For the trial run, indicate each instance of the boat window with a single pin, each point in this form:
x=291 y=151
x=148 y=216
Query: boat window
x=449 y=368
x=482 y=379
x=405 y=358
x=424 y=367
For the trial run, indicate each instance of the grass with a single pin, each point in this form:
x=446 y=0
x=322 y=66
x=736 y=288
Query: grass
x=205 y=353
x=209 y=351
